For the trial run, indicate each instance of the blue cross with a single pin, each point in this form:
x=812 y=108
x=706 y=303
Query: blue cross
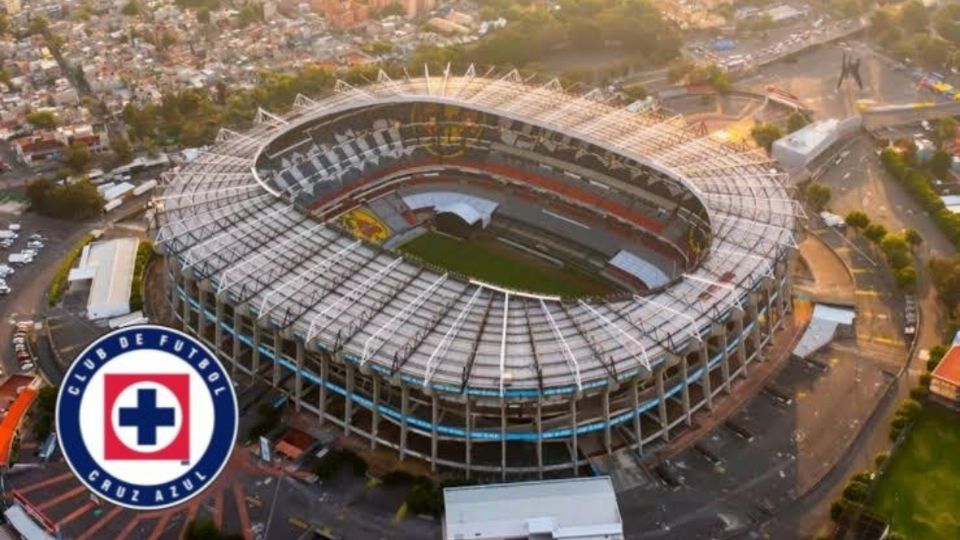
x=146 y=416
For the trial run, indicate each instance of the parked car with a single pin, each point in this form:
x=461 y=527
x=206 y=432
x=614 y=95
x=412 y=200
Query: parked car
x=26 y=366
x=35 y=244
x=4 y=289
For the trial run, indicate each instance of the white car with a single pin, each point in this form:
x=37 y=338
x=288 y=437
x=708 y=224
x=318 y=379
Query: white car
x=36 y=244
x=4 y=289
x=26 y=366
x=14 y=227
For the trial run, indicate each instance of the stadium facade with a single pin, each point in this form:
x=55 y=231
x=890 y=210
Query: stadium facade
x=279 y=257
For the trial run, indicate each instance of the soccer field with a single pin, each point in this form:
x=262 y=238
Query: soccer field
x=493 y=262
x=920 y=493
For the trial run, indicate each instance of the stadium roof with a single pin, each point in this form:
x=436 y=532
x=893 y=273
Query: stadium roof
x=581 y=508
x=228 y=225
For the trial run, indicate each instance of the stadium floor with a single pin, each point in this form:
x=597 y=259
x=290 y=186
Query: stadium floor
x=488 y=260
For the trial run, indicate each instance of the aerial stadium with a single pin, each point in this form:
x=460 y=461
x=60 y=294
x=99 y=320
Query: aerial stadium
x=496 y=276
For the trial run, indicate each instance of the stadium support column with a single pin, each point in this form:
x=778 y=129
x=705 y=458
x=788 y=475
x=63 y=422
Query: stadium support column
x=704 y=356
x=573 y=432
x=768 y=288
x=468 y=425
x=741 y=343
x=662 y=406
x=540 y=439
x=236 y=341
x=277 y=351
x=725 y=357
x=298 y=381
x=324 y=376
x=218 y=324
x=786 y=290
x=503 y=440
x=684 y=370
x=404 y=411
x=375 y=423
x=638 y=430
x=753 y=311
x=606 y=419
x=348 y=403
x=201 y=312
x=434 y=414
x=186 y=304
x=256 y=349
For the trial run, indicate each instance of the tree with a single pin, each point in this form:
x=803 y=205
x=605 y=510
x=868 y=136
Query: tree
x=856 y=492
x=37 y=193
x=795 y=121
x=76 y=157
x=940 y=163
x=906 y=278
x=42 y=119
x=858 y=220
x=912 y=237
x=931 y=51
x=121 y=148
x=132 y=9
x=945 y=128
x=37 y=25
x=203 y=16
x=914 y=17
x=875 y=232
x=945 y=272
x=677 y=70
x=817 y=195
x=765 y=135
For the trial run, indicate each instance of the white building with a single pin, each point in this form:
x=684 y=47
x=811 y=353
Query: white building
x=108 y=267
x=799 y=148
x=580 y=508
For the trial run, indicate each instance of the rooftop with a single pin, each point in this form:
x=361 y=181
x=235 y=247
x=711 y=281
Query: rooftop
x=948 y=369
x=569 y=508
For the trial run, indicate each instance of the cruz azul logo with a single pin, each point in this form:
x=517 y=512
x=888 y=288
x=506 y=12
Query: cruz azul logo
x=147 y=417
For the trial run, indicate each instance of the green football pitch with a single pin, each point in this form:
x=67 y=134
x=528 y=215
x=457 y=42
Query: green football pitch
x=493 y=262
x=920 y=493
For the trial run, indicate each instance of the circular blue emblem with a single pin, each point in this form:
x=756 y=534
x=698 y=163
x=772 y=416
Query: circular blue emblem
x=146 y=417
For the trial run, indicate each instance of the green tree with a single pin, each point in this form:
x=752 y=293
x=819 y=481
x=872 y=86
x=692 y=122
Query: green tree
x=132 y=9
x=875 y=232
x=931 y=51
x=203 y=16
x=912 y=237
x=857 y=219
x=795 y=121
x=914 y=17
x=121 y=148
x=37 y=193
x=940 y=163
x=76 y=157
x=817 y=195
x=945 y=272
x=37 y=25
x=42 y=119
x=945 y=128
x=765 y=135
